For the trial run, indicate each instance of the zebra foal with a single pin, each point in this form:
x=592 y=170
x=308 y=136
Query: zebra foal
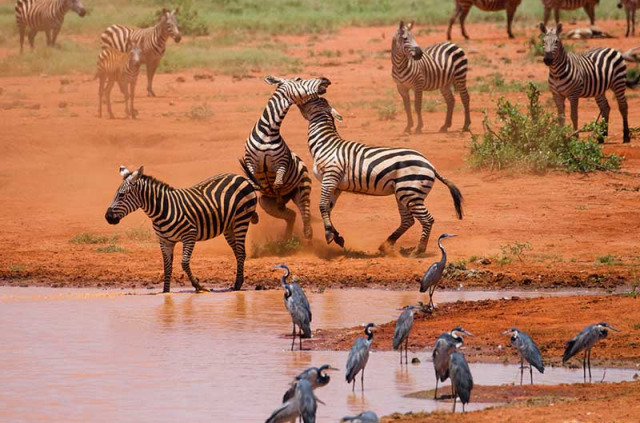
x=464 y=6
x=223 y=204
x=555 y=5
x=630 y=7
x=116 y=66
x=152 y=41
x=591 y=74
x=350 y=166
x=436 y=67
x=44 y=15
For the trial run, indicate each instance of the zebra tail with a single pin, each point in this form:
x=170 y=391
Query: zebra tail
x=455 y=194
x=250 y=176
x=633 y=83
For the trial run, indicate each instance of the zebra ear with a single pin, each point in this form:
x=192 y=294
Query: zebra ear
x=337 y=116
x=165 y=11
x=543 y=29
x=401 y=26
x=124 y=172
x=136 y=175
x=175 y=11
x=559 y=28
x=272 y=80
x=410 y=25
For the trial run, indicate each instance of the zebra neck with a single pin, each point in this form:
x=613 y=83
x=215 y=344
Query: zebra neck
x=267 y=129
x=160 y=30
x=398 y=58
x=154 y=196
x=60 y=7
x=321 y=130
x=560 y=62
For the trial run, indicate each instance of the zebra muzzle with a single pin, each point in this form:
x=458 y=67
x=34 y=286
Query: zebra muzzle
x=111 y=217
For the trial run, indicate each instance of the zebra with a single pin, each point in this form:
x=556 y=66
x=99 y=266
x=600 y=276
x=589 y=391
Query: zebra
x=438 y=66
x=44 y=15
x=630 y=7
x=591 y=74
x=464 y=6
x=588 y=5
x=282 y=175
x=350 y=166
x=152 y=40
x=116 y=66
x=223 y=204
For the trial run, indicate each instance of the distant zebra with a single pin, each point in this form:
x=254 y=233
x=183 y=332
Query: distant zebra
x=152 y=40
x=44 y=15
x=281 y=174
x=591 y=74
x=116 y=66
x=223 y=204
x=464 y=6
x=350 y=166
x=630 y=7
x=437 y=67
x=588 y=5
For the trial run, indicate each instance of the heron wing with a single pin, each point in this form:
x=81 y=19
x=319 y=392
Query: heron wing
x=431 y=276
x=306 y=401
x=365 y=417
x=440 y=355
x=403 y=327
x=585 y=339
x=285 y=413
x=358 y=357
x=301 y=298
x=530 y=352
x=461 y=376
x=300 y=314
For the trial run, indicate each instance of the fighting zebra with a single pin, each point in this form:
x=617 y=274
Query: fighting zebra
x=438 y=66
x=223 y=204
x=152 y=41
x=44 y=15
x=630 y=7
x=344 y=165
x=282 y=176
x=591 y=74
x=116 y=66
x=588 y=5
x=464 y=6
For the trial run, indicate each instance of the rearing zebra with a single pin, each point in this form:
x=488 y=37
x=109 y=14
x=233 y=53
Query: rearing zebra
x=591 y=74
x=350 y=166
x=44 y=15
x=223 y=204
x=464 y=6
x=282 y=176
x=588 y=5
x=438 y=66
x=152 y=40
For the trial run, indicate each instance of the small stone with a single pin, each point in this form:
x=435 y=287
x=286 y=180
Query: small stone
x=181 y=79
x=62 y=105
x=485 y=261
x=415 y=360
x=259 y=288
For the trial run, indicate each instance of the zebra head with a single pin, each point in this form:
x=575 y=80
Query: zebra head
x=551 y=42
x=135 y=54
x=403 y=41
x=127 y=198
x=619 y=4
x=77 y=6
x=171 y=22
x=298 y=90
x=319 y=107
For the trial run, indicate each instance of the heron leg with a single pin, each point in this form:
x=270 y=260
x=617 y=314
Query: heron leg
x=589 y=357
x=435 y=395
x=531 y=373
x=454 y=398
x=584 y=366
x=300 y=338
x=362 y=380
x=406 y=348
x=353 y=388
x=293 y=339
x=521 y=369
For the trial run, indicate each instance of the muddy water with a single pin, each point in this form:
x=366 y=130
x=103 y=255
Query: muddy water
x=91 y=356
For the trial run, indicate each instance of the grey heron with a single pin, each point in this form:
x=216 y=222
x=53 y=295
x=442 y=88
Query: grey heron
x=303 y=404
x=434 y=273
x=528 y=351
x=402 y=330
x=364 y=417
x=461 y=379
x=298 y=305
x=358 y=357
x=585 y=340
x=317 y=376
x=446 y=343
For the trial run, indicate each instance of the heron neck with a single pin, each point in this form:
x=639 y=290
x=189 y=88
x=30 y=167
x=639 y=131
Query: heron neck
x=443 y=260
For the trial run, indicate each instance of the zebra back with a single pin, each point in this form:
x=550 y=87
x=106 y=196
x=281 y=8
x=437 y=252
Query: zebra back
x=488 y=5
x=45 y=14
x=568 y=4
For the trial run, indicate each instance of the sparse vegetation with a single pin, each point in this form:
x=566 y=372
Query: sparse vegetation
x=281 y=247
x=495 y=82
x=190 y=23
x=387 y=111
x=112 y=248
x=200 y=112
x=139 y=234
x=91 y=238
x=17 y=268
x=609 y=260
x=513 y=250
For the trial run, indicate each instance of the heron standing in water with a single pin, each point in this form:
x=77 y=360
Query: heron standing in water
x=358 y=356
x=461 y=379
x=316 y=376
x=447 y=343
x=298 y=305
x=434 y=273
x=585 y=340
x=365 y=417
x=303 y=404
x=404 y=324
x=528 y=351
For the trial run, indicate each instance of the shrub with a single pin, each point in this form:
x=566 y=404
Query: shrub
x=200 y=112
x=89 y=238
x=280 y=248
x=111 y=249
x=188 y=20
x=513 y=250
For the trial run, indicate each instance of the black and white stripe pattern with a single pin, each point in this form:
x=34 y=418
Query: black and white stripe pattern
x=464 y=6
x=437 y=67
x=152 y=41
x=630 y=7
x=591 y=74
x=354 y=167
x=123 y=68
x=556 y=5
x=44 y=15
x=223 y=204
x=282 y=176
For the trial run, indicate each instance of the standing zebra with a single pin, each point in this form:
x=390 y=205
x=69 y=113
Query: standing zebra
x=116 y=66
x=591 y=74
x=350 y=166
x=152 y=40
x=44 y=15
x=282 y=176
x=437 y=67
x=464 y=6
x=223 y=204
x=630 y=7
x=588 y=5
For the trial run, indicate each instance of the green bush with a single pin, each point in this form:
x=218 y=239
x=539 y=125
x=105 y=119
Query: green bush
x=91 y=238
x=188 y=20
x=280 y=248
x=536 y=142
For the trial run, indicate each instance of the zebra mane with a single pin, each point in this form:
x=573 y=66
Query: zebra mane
x=156 y=182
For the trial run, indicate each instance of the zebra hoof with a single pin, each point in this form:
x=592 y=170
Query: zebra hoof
x=201 y=289
x=443 y=129
x=340 y=241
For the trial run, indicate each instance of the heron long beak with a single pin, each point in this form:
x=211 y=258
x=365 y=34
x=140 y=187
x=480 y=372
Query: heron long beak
x=333 y=368
x=468 y=334
x=507 y=332
x=614 y=329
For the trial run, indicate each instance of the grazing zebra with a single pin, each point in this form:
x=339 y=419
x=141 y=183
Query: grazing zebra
x=116 y=66
x=44 y=15
x=350 y=166
x=464 y=6
x=591 y=74
x=281 y=174
x=588 y=5
x=152 y=40
x=223 y=204
x=438 y=66
x=630 y=7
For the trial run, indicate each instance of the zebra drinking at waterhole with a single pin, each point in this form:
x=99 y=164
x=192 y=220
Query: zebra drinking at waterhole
x=123 y=68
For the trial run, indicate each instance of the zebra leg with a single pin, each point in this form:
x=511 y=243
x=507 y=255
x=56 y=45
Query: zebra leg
x=633 y=20
x=21 y=30
x=418 y=107
x=188 y=244
x=32 y=37
x=422 y=215
x=328 y=198
x=302 y=201
x=280 y=211
x=455 y=15
x=510 y=12
x=47 y=33
x=547 y=14
x=556 y=14
x=604 y=107
x=573 y=102
x=450 y=100
x=461 y=86
x=278 y=182
x=167 y=257
x=623 y=107
x=240 y=234
x=152 y=65
x=463 y=16
x=590 y=8
x=125 y=92
x=406 y=101
x=406 y=221
x=559 y=100
x=108 y=89
x=54 y=36
x=132 y=94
